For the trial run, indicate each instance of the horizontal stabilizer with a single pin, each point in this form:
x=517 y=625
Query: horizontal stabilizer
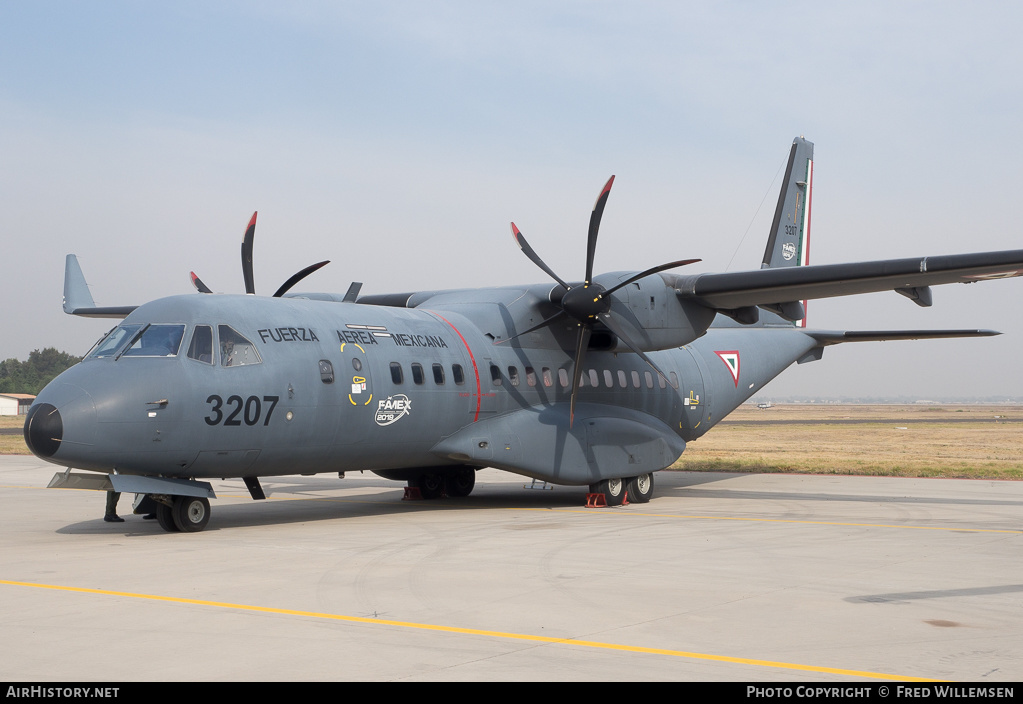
x=767 y=287
x=836 y=338
x=78 y=300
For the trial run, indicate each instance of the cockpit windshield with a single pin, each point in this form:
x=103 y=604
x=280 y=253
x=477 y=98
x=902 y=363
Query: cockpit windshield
x=114 y=340
x=143 y=341
x=157 y=341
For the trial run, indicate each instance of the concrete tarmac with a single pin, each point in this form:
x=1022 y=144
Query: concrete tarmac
x=722 y=577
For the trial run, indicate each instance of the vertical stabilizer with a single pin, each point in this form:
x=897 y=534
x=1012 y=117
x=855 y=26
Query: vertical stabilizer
x=76 y=291
x=789 y=240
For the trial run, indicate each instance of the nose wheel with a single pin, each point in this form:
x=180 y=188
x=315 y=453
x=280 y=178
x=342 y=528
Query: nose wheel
x=187 y=514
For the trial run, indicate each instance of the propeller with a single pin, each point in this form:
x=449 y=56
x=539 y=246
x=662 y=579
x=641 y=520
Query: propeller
x=589 y=302
x=250 y=285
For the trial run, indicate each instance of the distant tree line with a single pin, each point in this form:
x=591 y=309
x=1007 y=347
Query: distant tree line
x=30 y=376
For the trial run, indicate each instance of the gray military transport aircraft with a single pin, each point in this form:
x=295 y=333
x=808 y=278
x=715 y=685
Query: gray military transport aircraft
x=600 y=382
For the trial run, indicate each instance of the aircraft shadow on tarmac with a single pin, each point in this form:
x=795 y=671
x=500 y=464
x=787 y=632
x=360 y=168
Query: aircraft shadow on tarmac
x=305 y=503
x=308 y=499
x=897 y=597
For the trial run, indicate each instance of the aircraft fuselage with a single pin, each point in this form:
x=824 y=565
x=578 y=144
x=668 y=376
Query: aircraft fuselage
x=331 y=387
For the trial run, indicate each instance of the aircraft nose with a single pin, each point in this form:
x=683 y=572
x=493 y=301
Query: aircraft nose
x=44 y=429
x=61 y=424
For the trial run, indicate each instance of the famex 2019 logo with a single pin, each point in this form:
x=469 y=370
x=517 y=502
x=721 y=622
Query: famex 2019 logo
x=392 y=409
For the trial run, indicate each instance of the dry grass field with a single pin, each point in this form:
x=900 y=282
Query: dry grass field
x=12 y=444
x=909 y=441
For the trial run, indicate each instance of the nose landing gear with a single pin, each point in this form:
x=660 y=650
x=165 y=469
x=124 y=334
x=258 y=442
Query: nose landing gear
x=187 y=514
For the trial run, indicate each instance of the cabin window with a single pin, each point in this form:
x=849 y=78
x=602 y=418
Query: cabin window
x=674 y=380
x=648 y=377
x=235 y=349
x=548 y=379
x=635 y=379
x=513 y=375
x=622 y=381
x=495 y=375
x=609 y=380
x=157 y=341
x=457 y=374
x=201 y=347
x=418 y=377
x=594 y=379
x=438 y=373
x=661 y=382
x=563 y=378
x=397 y=376
x=530 y=376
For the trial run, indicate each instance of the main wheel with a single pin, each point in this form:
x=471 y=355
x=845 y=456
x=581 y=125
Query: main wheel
x=165 y=517
x=460 y=484
x=612 y=489
x=191 y=513
x=641 y=488
x=431 y=486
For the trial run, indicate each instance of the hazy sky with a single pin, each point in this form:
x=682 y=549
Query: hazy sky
x=398 y=139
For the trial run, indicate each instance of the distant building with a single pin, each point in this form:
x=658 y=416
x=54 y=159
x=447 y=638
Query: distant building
x=15 y=404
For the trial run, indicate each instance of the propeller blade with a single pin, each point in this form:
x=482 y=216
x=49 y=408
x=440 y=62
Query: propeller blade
x=199 y=285
x=520 y=240
x=617 y=330
x=250 y=233
x=286 y=286
x=535 y=327
x=591 y=240
x=582 y=342
x=652 y=270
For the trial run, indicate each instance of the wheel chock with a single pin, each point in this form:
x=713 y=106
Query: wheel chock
x=600 y=500
x=412 y=493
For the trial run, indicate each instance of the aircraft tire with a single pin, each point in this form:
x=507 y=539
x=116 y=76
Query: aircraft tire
x=641 y=488
x=165 y=517
x=431 y=486
x=612 y=489
x=461 y=484
x=191 y=513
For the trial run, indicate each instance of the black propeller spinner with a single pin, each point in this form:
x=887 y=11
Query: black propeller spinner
x=250 y=286
x=589 y=303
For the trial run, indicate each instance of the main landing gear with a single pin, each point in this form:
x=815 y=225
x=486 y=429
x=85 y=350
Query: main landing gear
x=188 y=514
x=639 y=489
x=455 y=485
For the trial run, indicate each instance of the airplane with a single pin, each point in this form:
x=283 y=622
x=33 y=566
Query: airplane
x=600 y=382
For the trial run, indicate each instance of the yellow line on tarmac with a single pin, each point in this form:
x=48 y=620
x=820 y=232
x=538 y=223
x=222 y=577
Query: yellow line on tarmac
x=779 y=520
x=477 y=632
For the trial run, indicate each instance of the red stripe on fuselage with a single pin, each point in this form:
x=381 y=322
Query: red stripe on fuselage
x=472 y=359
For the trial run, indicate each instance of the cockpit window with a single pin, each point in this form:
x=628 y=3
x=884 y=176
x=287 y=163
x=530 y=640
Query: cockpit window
x=235 y=349
x=99 y=342
x=201 y=347
x=157 y=341
x=117 y=337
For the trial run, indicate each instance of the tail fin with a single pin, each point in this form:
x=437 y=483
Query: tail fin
x=78 y=300
x=789 y=241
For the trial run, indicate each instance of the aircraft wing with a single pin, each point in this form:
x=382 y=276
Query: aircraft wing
x=765 y=287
